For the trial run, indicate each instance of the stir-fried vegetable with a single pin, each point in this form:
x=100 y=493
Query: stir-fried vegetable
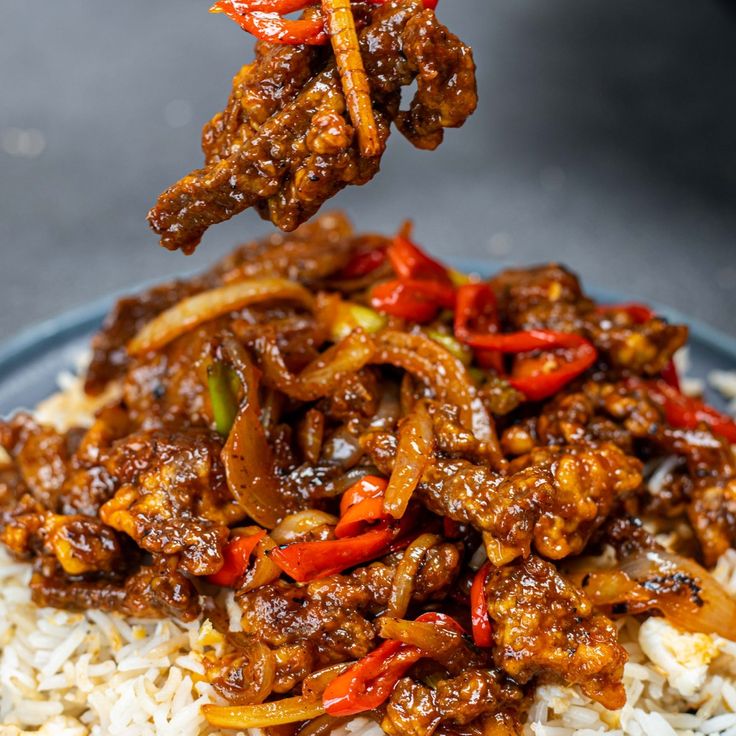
x=276 y=713
x=236 y=554
x=221 y=381
x=350 y=316
x=369 y=682
x=688 y=412
x=412 y=299
x=542 y=376
x=481 y=621
x=305 y=561
x=200 y=308
x=270 y=26
x=476 y=312
x=361 y=505
x=416 y=444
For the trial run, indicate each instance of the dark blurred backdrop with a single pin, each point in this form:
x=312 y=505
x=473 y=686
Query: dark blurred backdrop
x=606 y=138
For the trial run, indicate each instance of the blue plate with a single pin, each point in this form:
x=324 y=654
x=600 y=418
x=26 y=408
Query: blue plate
x=30 y=362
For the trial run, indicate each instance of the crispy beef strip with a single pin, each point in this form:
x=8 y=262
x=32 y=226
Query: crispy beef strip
x=285 y=145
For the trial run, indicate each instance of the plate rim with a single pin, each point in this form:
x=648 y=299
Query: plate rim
x=88 y=316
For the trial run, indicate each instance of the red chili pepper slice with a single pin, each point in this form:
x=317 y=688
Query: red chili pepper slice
x=236 y=554
x=537 y=381
x=369 y=682
x=410 y=262
x=359 y=516
x=363 y=263
x=271 y=27
x=533 y=376
x=687 y=412
x=371 y=486
x=476 y=311
x=482 y=630
x=305 y=561
x=669 y=375
x=361 y=505
x=416 y=301
x=524 y=341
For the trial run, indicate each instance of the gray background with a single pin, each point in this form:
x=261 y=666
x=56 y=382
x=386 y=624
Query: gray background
x=606 y=138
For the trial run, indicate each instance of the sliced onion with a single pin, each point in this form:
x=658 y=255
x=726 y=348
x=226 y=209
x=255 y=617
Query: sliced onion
x=423 y=357
x=322 y=377
x=262 y=570
x=416 y=448
x=200 y=308
x=717 y=612
x=314 y=685
x=249 y=469
x=295 y=526
x=276 y=713
x=406 y=572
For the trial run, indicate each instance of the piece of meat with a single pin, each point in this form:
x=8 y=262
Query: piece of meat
x=41 y=456
x=172 y=497
x=712 y=513
x=446 y=96
x=306 y=151
x=553 y=499
x=155 y=591
x=411 y=710
x=545 y=627
x=418 y=710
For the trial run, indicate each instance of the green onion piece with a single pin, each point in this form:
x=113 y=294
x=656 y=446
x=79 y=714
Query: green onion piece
x=351 y=315
x=463 y=353
x=223 y=383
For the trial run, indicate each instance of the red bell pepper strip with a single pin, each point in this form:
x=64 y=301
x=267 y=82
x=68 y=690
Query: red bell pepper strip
x=687 y=412
x=476 y=311
x=532 y=376
x=411 y=263
x=236 y=553
x=541 y=383
x=305 y=561
x=359 y=516
x=363 y=263
x=369 y=682
x=361 y=505
x=524 y=341
x=370 y=486
x=272 y=28
x=482 y=630
x=416 y=301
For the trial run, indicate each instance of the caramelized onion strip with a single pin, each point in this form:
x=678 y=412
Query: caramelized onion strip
x=295 y=526
x=247 y=455
x=436 y=367
x=406 y=571
x=415 y=450
x=322 y=377
x=708 y=609
x=276 y=713
x=200 y=308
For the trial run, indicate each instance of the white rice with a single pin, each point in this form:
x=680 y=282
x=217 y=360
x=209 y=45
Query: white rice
x=99 y=674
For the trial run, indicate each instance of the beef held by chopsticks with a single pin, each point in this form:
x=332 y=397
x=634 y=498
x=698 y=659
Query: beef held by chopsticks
x=302 y=123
